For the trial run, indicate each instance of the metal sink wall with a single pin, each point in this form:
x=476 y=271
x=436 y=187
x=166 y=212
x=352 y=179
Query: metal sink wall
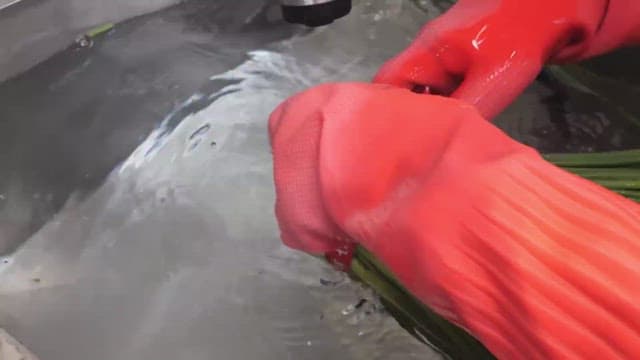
x=32 y=30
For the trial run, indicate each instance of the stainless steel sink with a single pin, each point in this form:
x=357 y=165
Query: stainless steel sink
x=136 y=194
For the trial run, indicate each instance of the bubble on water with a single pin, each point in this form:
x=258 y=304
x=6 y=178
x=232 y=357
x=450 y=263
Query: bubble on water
x=5 y=262
x=84 y=41
x=349 y=310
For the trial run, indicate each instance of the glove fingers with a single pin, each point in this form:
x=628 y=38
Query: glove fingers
x=419 y=70
x=492 y=87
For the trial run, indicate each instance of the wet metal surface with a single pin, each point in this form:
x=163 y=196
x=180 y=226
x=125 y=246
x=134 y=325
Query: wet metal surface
x=137 y=179
x=5 y=4
x=11 y=349
x=33 y=30
x=68 y=122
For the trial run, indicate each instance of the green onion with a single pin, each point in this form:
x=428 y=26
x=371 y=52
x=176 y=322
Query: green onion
x=99 y=30
x=421 y=322
x=612 y=159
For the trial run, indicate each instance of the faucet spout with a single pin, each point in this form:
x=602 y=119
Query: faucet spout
x=314 y=13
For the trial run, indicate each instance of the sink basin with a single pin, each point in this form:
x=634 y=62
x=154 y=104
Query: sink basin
x=136 y=197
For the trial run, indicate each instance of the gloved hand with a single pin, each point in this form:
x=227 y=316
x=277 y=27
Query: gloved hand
x=487 y=51
x=534 y=262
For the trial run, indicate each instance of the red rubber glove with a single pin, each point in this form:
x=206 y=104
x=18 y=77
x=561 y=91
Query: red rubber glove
x=487 y=51
x=533 y=261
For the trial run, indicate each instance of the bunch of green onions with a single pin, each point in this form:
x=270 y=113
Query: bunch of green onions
x=618 y=171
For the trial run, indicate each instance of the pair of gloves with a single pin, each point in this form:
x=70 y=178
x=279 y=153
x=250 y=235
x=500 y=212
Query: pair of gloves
x=531 y=260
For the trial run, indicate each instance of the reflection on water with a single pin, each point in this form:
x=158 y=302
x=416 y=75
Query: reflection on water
x=174 y=253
